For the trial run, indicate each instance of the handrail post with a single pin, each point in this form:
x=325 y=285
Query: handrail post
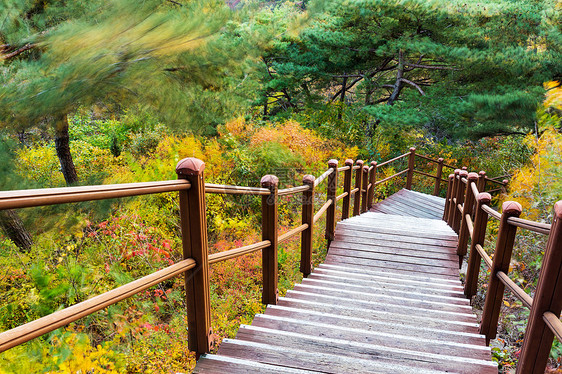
x=364 y=190
x=467 y=209
x=194 y=243
x=502 y=258
x=411 y=163
x=478 y=235
x=438 y=176
x=460 y=199
x=448 y=198
x=331 y=191
x=481 y=181
x=372 y=181
x=358 y=184
x=548 y=298
x=308 y=218
x=269 y=232
x=504 y=186
x=347 y=188
x=454 y=187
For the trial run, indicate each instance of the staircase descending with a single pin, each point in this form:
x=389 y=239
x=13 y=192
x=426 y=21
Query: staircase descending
x=387 y=299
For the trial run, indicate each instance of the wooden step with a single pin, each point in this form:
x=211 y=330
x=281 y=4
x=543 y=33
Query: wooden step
x=322 y=362
x=383 y=322
x=455 y=313
x=363 y=350
x=393 y=339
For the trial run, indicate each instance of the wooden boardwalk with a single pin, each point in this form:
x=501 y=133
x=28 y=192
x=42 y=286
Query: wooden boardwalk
x=387 y=300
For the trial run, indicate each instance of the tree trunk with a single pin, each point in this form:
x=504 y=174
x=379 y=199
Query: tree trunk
x=11 y=224
x=342 y=97
x=399 y=75
x=62 y=145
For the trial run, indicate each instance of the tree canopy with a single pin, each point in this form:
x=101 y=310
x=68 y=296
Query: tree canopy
x=470 y=68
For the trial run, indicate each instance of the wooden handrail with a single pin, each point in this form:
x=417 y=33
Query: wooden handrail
x=31 y=330
x=393 y=159
x=343 y=168
x=50 y=196
x=491 y=212
x=538 y=227
x=553 y=323
x=392 y=176
x=487 y=259
x=234 y=190
x=426 y=174
x=237 y=252
x=321 y=178
x=292 y=190
x=341 y=196
x=515 y=289
x=321 y=211
x=426 y=158
x=289 y=234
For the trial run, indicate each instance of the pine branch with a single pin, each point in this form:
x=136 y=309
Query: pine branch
x=413 y=84
x=431 y=67
x=17 y=51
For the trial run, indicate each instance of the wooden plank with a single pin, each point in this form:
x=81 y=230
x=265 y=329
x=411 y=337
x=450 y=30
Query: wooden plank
x=419 y=209
x=407 y=275
x=421 y=200
x=403 y=300
x=391 y=220
x=391 y=356
x=396 y=285
x=405 y=231
x=424 y=283
x=386 y=290
x=394 y=316
x=421 y=327
x=338 y=259
x=319 y=361
x=413 y=257
x=392 y=339
x=223 y=364
x=416 y=250
x=368 y=237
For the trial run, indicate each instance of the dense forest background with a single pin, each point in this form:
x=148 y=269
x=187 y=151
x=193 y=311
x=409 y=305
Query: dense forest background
x=98 y=92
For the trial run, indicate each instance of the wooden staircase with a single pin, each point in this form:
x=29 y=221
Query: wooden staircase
x=387 y=299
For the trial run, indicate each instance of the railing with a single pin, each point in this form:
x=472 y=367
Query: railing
x=467 y=211
x=359 y=182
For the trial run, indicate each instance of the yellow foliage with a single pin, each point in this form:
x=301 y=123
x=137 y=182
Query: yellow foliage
x=537 y=186
x=553 y=95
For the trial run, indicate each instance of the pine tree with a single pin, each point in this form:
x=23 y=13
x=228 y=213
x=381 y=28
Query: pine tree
x=470 y=68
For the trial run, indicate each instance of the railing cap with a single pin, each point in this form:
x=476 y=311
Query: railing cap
x=373 y=163
x=440 y=159
x=365 y=168
x=464 y=168
x=412 y=149
x=451 y=176
x=190 y=166
x=348 y=162
x=511 y=208
x=457 y=171
x=472 y=176
x=359 y=162
x=463 y=173
x=333 y=163
x=484 y=198
x=558 y=209
x=308 y=179
x=269 y=181
x=482 y=173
